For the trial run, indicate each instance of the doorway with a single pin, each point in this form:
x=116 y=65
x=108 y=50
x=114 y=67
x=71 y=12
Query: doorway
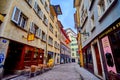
x=115 y=43
x=98 y=59
x=13 y=57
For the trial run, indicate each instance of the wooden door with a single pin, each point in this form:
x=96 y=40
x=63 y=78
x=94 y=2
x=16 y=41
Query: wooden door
x=98 y=59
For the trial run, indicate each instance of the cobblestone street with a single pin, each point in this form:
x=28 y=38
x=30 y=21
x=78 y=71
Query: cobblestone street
x=60 y=72
x=70 y=71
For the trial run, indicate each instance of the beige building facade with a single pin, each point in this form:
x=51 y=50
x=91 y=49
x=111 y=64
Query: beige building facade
x=27 y=34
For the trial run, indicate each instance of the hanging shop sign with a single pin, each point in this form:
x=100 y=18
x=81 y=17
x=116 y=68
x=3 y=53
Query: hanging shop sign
x=58 y=9
x=30 y=37
x=108 y=54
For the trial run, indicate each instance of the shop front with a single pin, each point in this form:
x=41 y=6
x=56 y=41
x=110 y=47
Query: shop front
x=20 y=55
x=110 y=41
x=50 y=56
x=57 y=58
x=62 y=59
x=87 y=58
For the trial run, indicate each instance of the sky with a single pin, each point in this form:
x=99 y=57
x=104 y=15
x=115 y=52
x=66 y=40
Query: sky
x=67 y=17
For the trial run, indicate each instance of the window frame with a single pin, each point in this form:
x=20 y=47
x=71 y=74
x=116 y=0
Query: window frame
x=13 y=15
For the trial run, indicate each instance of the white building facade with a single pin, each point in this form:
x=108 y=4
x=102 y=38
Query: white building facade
x=101 y=19
x=73 y=45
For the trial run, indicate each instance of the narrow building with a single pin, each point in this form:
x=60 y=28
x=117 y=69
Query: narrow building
x=65 y=51
x=73 y=45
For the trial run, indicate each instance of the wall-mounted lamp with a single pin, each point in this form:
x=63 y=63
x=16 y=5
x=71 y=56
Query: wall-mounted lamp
x=84 y=33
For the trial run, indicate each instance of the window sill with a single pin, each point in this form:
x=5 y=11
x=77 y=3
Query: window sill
x=50 y=44
x=43 y=40
x=20 y=27
x=106 y=12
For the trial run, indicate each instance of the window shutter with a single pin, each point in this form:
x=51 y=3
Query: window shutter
x=45 y=37
x=35 y=7
x=16 y=15
x=40 y=13
x=29 y=2
x=46 y=21
x=43 y=1
x=42 y=16
x=38 y=33
x=32 y=27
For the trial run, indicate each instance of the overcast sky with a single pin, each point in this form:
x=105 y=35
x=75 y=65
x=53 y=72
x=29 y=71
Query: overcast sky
x=67 y=17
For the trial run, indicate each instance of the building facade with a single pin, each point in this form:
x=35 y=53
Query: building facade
x=73 y=45
x=28 y=34
x=100 y=18
x=65 y=51
x=53 y=47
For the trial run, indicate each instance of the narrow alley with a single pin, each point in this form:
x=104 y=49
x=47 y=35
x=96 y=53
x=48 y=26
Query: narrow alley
x=70 y=71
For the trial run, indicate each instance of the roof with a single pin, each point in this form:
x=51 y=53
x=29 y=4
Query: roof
x=70 y=30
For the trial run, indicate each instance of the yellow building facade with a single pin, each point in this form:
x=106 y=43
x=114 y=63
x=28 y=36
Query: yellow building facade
x=78 y=25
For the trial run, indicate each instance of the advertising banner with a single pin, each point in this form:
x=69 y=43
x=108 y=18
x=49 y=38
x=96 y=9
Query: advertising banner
x=108 y=54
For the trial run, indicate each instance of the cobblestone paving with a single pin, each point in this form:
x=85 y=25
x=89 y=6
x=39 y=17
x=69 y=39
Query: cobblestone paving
x=60 y=72
x=70 y=71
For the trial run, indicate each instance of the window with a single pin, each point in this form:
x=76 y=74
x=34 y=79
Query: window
x=38 y=11
x=72 y=54
x=91 y=4
x=35 y=30
x=50 y=41
x=84 y=15
x=45 y=20
x=55 y=44
x=38 y=33
x=72 y=49
x=58 y=46
x=46 y=7
x=29 y=2
x=101 y=7
x=43 y=2
x=55 y=33
x=43 y=36
x=36 y=7
x=16 y=15
x=109 y=2
x=104 y=7
x=28 y=55
x=51 y=28
x=35 y=54
x=92 y=22
x=19 y=18
x=22 y=21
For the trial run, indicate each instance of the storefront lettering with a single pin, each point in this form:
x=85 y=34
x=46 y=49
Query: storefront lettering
x=110 y=30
